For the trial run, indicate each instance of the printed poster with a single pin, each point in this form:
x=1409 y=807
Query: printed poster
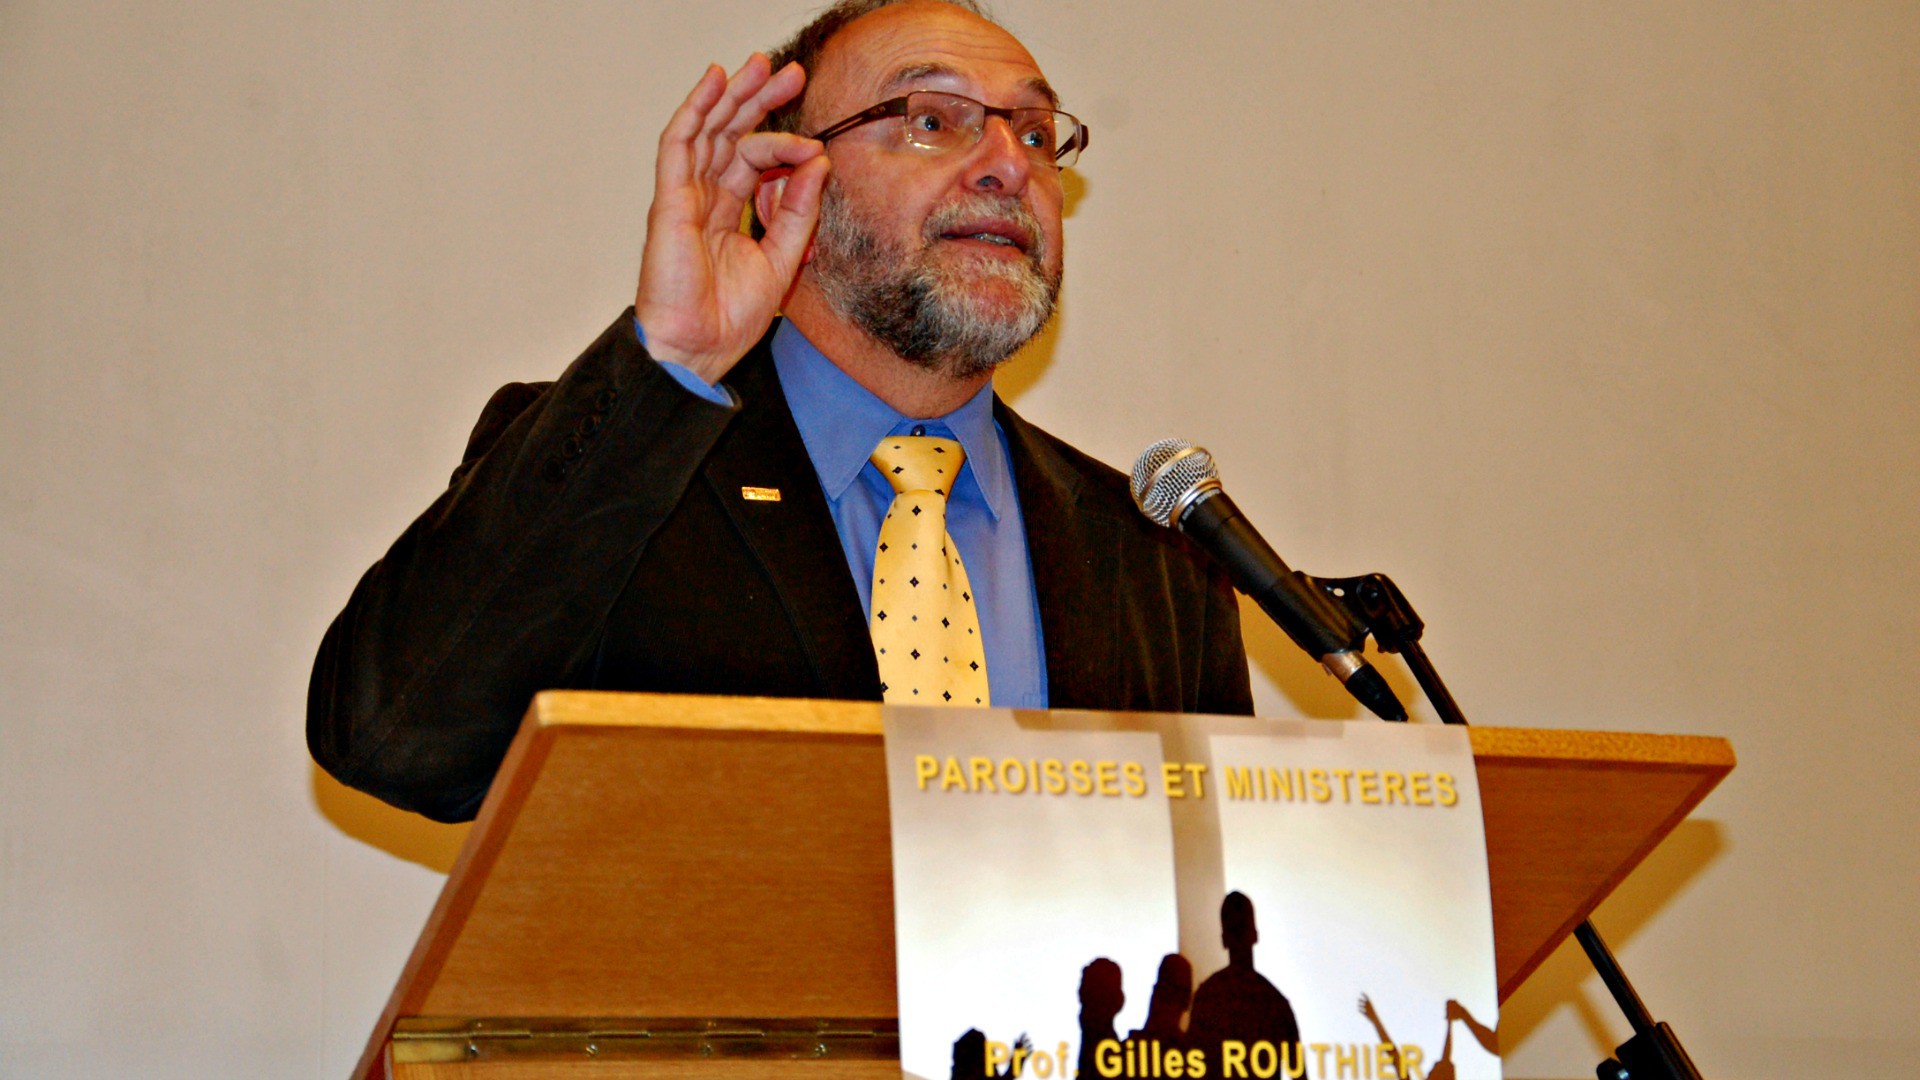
x=1135 y=895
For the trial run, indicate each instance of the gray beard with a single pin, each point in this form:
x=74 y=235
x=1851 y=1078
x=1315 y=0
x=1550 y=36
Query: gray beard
x=925 y=309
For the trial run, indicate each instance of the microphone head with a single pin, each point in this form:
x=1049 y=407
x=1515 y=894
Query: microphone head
x=1167 y=477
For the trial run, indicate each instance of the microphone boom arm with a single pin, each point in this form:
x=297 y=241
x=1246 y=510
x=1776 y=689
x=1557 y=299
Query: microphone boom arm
x=1380 y=609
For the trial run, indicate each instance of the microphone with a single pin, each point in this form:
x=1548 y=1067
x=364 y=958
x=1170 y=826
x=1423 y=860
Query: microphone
x=1176 y=484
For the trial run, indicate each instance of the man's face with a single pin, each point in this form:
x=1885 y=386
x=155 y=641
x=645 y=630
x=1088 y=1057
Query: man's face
x=951 y=259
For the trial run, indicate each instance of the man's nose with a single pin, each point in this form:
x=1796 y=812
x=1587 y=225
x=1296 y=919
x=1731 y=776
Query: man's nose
x=999 y=162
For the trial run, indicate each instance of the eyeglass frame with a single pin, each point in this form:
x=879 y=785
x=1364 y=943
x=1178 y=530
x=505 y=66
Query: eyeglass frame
x=1077 y=142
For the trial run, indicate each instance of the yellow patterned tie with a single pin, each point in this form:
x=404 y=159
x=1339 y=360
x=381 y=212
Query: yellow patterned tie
x=926 y=633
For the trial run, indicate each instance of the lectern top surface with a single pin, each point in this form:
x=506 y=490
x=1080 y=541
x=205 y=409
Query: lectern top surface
x=677 y=856
x=594 y=708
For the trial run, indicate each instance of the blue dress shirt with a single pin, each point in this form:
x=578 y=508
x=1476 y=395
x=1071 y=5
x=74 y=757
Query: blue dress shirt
x=841 y=422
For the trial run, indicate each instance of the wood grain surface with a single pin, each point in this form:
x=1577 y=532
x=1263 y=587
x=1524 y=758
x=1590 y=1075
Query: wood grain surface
x=664 y=856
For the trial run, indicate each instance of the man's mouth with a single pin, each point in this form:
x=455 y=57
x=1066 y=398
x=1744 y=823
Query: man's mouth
x=1003 y=234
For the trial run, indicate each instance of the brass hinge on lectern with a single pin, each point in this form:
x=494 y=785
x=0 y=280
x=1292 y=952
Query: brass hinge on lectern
x=433 y=1038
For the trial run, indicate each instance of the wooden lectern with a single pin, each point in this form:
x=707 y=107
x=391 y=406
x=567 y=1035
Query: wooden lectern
x=694 y=887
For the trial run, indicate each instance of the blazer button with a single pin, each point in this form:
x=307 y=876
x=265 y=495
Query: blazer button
x=590 y=425
x=604 y=399
x=572 y=448
x=555 y=471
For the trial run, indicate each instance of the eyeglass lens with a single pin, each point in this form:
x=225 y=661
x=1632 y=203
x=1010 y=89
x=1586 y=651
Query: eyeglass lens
x=938 y=121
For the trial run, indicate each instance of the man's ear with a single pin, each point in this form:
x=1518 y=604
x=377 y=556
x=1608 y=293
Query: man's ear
x=766 y=197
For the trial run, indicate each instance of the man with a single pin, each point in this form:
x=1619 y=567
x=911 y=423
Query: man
x=1237 y=1002
x=692 y=506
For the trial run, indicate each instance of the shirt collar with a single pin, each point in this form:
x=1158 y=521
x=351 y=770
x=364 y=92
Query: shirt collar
x=841 y=422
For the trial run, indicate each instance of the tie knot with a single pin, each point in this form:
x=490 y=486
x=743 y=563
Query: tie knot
x=919 y=463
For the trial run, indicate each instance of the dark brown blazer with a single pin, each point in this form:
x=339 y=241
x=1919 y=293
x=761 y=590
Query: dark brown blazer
x=596 y=536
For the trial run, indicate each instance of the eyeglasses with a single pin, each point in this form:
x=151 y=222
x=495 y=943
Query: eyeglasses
x=941 y=122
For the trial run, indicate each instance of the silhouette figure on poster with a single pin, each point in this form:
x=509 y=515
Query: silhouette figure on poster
x=1100 y=1000
x=1238 y=1002
x=1443 y=1068
x=970 y=1055
x=1167 y=1009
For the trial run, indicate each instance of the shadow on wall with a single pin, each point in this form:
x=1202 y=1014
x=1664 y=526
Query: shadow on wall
x=396 y=832
x=1030 y=364
x=1564 y=979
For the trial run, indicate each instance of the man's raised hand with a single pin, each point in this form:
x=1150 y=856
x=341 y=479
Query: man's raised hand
x=707 y=291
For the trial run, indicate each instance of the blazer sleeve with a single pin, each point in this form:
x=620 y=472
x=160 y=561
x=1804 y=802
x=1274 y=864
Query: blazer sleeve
x=500 y=588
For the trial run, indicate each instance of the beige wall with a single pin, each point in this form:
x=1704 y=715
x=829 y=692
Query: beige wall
x=1593 y=324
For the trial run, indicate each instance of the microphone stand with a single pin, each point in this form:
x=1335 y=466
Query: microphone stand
x=1377 y=604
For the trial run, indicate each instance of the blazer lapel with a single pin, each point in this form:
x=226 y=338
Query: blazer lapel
x=793 y=538
x=1075 y=558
